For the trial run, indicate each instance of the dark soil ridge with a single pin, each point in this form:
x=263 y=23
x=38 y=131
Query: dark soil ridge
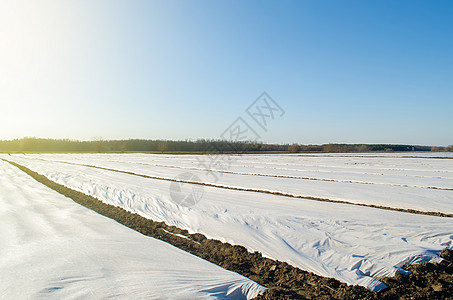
x=404 y=210
x=281 y=176
x=427 y=280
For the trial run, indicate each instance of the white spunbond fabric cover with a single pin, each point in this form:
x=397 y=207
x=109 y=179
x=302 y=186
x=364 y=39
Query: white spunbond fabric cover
x=424 y=184
x=51 y=247
x=354 y=244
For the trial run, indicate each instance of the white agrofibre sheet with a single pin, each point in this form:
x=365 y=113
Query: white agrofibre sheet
x=53 y=248
x=354 y=244
x=423 y=184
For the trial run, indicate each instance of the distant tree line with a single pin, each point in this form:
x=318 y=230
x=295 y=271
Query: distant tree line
x=344 y=148
x=199 y=146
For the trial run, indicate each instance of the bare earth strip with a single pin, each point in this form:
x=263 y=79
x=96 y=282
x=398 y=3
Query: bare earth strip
x=259 y=175
x=309 y=178
x=412 y=211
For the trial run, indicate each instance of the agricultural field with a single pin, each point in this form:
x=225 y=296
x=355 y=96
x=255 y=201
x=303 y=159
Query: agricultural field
x=53 y=248
x=354 y=217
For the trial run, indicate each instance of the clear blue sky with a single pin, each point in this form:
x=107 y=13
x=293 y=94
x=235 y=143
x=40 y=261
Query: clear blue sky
x=344 y=71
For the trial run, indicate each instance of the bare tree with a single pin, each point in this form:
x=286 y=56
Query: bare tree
x=162 y=146
x=294 y=148
x=331 y=148
x=363 y=148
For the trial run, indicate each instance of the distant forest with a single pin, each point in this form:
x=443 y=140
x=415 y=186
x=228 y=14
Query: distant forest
x=198 y=146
